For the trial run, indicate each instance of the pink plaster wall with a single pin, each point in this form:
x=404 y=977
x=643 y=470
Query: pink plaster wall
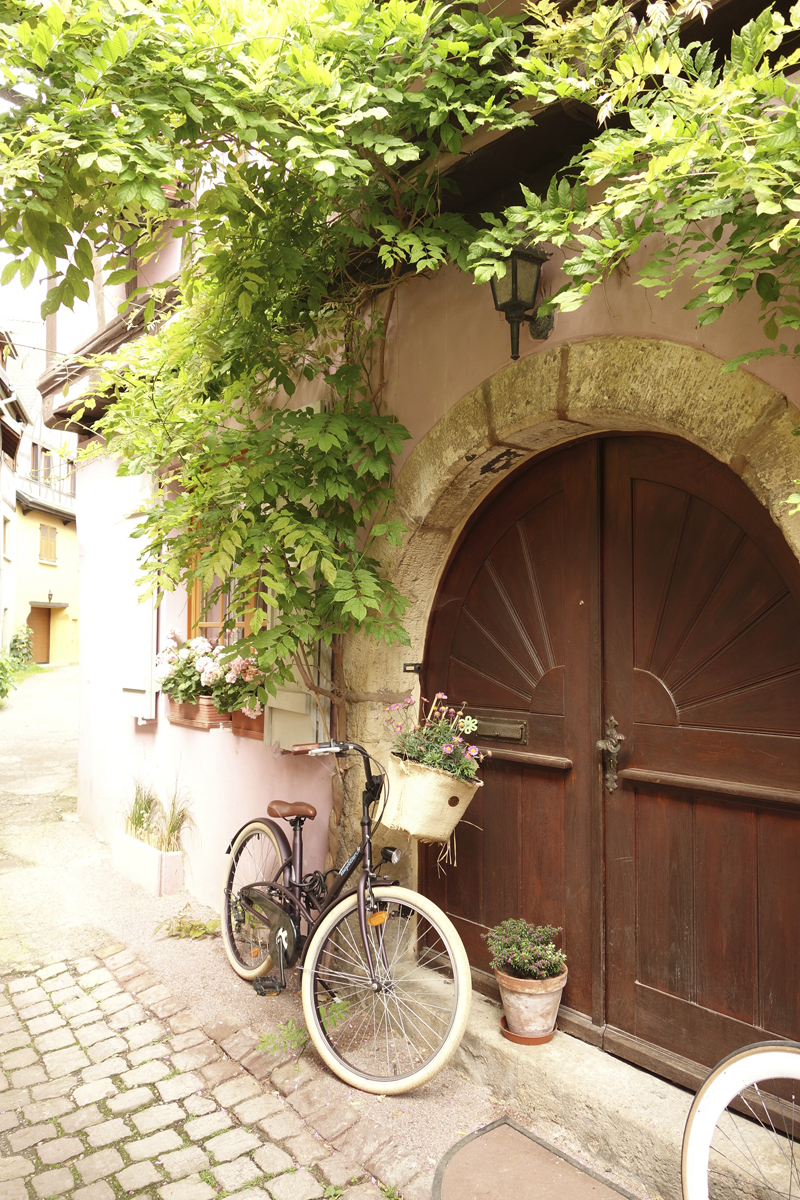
x=229 y=779
x=445 y=337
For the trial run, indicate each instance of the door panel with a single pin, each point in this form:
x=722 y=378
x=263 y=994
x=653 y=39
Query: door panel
x=779 y=921
x=702 y=672
x=514 y=634
x=677 y=892
x=39 y=621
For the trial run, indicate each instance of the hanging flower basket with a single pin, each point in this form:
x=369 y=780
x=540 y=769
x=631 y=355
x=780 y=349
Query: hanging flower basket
x=424 y=801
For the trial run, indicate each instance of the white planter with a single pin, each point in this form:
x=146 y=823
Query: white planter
x=157 y=871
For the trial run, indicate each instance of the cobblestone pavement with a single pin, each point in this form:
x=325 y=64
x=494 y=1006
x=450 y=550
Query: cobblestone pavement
x=109 y=1087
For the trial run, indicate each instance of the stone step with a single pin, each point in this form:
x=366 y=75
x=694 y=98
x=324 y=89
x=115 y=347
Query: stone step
x=599 y=1108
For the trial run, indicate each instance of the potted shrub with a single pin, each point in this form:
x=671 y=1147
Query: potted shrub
x=531 y=974
x=431 y=769
x=187 y=673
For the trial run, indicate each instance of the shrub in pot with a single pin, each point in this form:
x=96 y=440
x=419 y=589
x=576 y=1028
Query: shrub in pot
x=531 y=974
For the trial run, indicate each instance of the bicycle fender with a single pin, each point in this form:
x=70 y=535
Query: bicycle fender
x=280 y=837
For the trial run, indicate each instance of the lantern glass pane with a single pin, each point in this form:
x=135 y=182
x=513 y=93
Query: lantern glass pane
x=527 y=281
x=501 y=289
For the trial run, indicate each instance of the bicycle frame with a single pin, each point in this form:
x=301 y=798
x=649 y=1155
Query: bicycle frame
x=294 y=892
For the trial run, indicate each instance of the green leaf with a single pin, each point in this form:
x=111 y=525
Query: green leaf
x=768 y=286
x=121 y=275
x=328 y=570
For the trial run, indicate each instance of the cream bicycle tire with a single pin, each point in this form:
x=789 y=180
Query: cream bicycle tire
x=421 y=1034
x=755 y=1156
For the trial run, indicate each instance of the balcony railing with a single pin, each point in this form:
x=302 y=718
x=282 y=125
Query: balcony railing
x=42 y=484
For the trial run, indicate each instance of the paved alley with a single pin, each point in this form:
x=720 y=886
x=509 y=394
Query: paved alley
x=129 y=1060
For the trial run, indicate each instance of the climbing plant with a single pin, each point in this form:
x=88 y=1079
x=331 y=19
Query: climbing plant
x=300 y=154
x=696 y=169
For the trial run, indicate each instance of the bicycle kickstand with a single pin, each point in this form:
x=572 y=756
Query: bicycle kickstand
x=268 y=985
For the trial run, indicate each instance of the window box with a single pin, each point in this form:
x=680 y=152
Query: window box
x=202 y=715
x=159 y=872
x=252 y=727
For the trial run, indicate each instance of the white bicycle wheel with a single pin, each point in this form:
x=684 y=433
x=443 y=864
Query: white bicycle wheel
x=254 y=862
x=731 y=1156
x=396 y=1035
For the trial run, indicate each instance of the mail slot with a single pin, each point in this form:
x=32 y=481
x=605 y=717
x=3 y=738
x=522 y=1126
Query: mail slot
x=509 y=731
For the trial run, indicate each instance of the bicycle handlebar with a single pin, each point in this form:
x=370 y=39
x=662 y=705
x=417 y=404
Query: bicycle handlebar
x=315 y=748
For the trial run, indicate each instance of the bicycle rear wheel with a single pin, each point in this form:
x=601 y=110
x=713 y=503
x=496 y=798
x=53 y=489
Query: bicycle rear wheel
x=396 y=1037
x=731 y=1156
x=253 y=864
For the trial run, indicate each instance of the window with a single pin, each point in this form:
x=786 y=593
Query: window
x=71 y=488
x=46 y=468
x=6 y=537
x=209 y=624
x=34 y=461
x=47 y=543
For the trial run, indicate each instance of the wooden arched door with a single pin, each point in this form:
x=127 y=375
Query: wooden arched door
x=633 y=577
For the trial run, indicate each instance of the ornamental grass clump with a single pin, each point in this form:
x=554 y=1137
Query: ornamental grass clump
x=440 y=739
x=159 y=825
x=525 y=951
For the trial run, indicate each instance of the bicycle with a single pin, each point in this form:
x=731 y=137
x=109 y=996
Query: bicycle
x=741 y=1134
x=386 y=984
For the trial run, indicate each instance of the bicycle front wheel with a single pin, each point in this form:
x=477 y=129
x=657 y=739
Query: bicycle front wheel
x=395 y=1036
x=741 y=1136
x=254 y=863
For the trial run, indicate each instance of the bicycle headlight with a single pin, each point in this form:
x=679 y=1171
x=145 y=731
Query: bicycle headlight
x=390 y=854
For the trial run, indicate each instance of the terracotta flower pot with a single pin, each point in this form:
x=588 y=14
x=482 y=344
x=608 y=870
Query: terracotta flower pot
x=203 y=715
x=252 y=727
x=531 y=1005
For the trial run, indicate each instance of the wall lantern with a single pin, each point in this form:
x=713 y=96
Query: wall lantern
x=50 y=596
x=515 y=294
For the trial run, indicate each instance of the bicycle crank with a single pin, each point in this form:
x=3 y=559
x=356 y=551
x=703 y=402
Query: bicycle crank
x=268 y=985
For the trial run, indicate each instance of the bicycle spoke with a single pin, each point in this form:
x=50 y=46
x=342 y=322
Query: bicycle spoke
x=391 y=1030
x=755 y=1154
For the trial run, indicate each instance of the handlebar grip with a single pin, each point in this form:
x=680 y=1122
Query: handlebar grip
x=304 y=747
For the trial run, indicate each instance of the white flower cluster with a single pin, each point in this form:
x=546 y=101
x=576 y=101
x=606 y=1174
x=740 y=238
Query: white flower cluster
x=199 y=654
x=198 y=651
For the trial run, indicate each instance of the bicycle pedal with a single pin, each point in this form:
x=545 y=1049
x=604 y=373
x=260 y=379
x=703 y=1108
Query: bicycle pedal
x=266 y=985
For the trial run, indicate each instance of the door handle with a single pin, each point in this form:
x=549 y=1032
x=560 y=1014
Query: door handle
x=609 y=748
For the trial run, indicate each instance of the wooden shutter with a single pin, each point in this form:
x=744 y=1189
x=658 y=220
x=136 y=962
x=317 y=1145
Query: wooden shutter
x=47 y=543
x=138 y=620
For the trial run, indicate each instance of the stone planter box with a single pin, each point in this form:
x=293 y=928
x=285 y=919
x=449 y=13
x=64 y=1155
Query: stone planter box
x=252 y=727
x=202 y=715
x=157 y=871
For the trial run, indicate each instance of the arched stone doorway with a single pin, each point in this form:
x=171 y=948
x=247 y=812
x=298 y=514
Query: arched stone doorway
x=552 y=399
x=632 y=578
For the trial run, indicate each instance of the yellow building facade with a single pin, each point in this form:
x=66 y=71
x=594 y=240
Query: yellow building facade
x=47 y=581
